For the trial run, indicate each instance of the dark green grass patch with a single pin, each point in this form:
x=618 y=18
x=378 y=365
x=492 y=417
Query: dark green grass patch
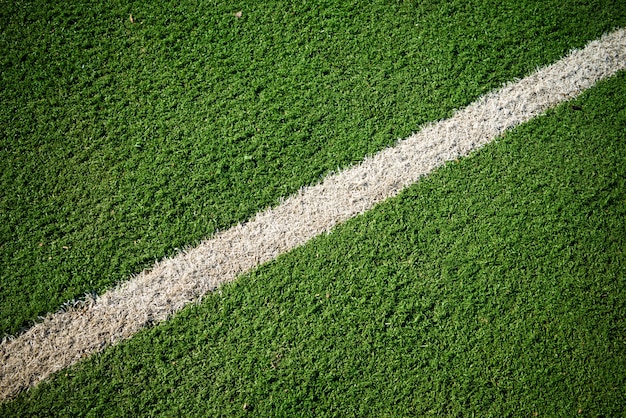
x=122 y=141
x=494 y=287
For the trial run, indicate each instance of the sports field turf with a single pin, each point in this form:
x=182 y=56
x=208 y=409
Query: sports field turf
x=495 y=286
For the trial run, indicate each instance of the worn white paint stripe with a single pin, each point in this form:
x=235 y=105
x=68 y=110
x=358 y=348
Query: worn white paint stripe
x=66 y=337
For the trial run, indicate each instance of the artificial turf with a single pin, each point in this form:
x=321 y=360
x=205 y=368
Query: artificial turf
x=494 y=287
x=123 y=140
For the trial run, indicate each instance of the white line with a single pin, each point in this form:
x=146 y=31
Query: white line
x=64 y=338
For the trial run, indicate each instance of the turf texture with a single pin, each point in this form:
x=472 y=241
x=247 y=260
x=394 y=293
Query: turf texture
x=123 y=140
x=493 y=287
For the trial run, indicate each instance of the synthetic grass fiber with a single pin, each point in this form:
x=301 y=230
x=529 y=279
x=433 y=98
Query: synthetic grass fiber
x=124 y=140
x=495 y=286
x=66 y=337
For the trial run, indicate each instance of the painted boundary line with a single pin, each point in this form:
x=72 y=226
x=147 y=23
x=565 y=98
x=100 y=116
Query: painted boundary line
x=66 y=337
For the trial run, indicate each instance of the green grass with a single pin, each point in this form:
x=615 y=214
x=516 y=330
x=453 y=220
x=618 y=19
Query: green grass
x=496 y=287
x=121 y=142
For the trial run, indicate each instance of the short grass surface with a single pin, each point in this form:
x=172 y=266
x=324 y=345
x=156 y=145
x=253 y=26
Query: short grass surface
x=495 y=287
x=122 y=141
